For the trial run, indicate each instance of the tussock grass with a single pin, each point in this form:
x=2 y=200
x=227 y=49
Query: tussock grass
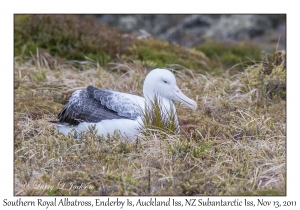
x=157 y=117
x=234 y=144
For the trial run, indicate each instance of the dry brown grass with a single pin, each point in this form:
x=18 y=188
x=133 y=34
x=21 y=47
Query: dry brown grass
x=234 y=144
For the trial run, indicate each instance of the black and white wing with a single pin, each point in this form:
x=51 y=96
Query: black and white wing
x=95 y=105
x=124 y=104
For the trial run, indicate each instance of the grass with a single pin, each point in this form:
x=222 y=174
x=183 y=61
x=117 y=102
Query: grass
x=234 y=144
x=157 y=118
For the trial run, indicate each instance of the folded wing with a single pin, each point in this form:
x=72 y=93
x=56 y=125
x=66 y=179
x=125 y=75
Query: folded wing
x=95 y=105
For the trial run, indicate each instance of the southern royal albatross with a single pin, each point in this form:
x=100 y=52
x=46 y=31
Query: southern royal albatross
x=114 y=111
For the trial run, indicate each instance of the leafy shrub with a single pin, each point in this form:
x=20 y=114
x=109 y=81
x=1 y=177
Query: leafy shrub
x=161 y=53
x=69 y=37
x=76 y=38
x=268 y=77
x=230 y=55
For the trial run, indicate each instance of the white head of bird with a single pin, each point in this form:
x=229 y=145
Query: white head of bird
x=162 y=82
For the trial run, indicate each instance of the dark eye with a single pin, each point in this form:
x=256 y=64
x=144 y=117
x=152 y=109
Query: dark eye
x=165 y=81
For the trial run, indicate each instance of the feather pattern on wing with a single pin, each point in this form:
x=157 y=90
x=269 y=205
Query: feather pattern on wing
x=94 y=105
x=122 y=103
x=83 y=108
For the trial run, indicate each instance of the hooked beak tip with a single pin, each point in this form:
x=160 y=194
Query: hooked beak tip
x=194 y=106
